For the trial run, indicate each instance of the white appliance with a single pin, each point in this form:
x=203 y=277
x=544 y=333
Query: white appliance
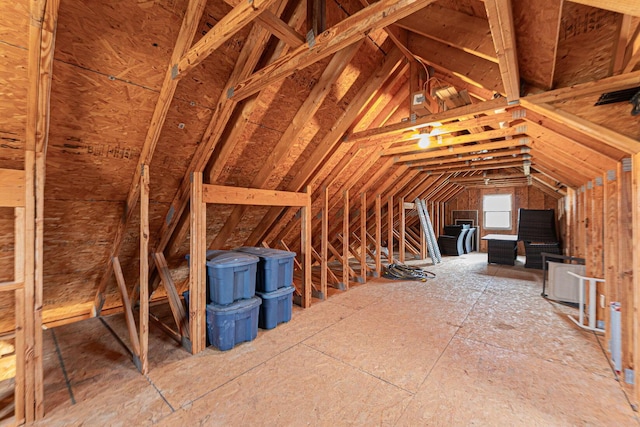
x=562 y=286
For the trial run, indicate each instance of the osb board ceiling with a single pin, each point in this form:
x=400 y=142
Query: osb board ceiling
x=586 y=44
x=14 y=36
x=109 y=67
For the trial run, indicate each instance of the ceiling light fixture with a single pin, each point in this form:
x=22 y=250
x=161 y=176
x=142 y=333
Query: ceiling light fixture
x=424 y=141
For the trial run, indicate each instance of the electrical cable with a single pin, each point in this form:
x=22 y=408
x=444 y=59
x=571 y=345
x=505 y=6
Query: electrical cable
x=397 y=271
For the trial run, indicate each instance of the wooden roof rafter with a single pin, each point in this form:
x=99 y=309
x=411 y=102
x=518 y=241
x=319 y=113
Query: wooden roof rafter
x=373 y=17
x=310 y=106
x=557 y=170
x=364 y=160
x=174 y=230
x=467 y=67
x=242 y=14
x=607 y=136
x=631 y=56
x=567 y=145
x=393 y=60
x=464 y=32
x=504 y=38
x=280 y=29
x=609 y=84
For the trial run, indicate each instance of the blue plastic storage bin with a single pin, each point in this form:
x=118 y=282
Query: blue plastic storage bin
x=276 y=307
x=231 y=276
x=232 y=324
x=275 y=269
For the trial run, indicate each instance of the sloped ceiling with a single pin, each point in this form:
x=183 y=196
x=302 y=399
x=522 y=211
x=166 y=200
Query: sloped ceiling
x=339 y=123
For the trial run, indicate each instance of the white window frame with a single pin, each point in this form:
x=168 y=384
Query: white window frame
x=484 y=211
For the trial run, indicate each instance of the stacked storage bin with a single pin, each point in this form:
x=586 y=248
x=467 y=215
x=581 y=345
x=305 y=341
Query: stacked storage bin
x=274 y=284
x=232 y=307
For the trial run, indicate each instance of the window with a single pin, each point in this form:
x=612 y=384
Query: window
x=496 y=210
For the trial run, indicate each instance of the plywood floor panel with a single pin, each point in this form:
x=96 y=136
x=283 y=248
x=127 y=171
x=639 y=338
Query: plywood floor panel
x=480 y=384
x=356 y=399
x=475 y=346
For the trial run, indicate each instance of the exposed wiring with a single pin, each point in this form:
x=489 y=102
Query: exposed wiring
x=398 y=271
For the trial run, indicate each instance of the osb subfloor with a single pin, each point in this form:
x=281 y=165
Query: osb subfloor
x=475 y=346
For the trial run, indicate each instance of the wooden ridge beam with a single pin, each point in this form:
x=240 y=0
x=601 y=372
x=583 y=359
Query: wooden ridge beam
x=481 y=177
x=242 y=14
x=187 y=32
x=500 y=17
x=348 y=31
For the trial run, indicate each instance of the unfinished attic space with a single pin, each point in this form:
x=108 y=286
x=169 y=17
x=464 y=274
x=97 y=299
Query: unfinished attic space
x=320 y=212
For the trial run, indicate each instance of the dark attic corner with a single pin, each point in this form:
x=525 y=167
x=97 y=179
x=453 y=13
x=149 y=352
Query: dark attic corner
x=283 y=212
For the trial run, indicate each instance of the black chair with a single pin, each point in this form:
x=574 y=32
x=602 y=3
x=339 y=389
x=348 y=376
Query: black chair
x=452 y=241
x=537 y=229
x=468 y=240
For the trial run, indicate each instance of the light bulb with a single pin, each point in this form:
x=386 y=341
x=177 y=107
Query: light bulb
x=424 y=141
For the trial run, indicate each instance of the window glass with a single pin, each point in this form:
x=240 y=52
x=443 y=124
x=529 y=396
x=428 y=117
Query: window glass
x=497 y=211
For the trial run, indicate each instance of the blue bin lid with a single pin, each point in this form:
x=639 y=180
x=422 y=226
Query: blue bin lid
x=266 y=252
x=277 y=293
x=224 y=259
x=236 y=307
